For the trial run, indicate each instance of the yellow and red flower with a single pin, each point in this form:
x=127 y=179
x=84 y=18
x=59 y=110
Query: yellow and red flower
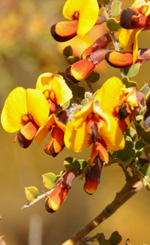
x=120 y=102
x=91 y=125
x=57 y=125
x=82 y=14
x=58 y=195
x=24 y=111
x=134 y=20
x=54 y=89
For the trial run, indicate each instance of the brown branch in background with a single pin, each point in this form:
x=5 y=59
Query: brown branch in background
x=126 y=192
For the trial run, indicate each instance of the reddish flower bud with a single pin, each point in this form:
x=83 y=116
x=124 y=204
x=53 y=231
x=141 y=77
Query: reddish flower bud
x=93 y=177
x=60 y=192
x=64 y=30
x=56 y=143
x=127 y=18
x=119 y=59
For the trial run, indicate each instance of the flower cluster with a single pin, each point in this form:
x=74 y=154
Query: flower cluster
x=102 y=118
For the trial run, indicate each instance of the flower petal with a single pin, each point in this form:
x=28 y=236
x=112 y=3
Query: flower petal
x=76 y=140
x=108 y=94
x=64 y=30
x=37 y=106
x=15 y=106
x=127 y=38
x=114 y=138
x=87 y=10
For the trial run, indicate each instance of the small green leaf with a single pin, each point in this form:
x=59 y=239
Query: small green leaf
x=144 y=135
x=68 y=51
x=115 y=238
x=82 y=163
x=131 y=133
x=116 y=8
x=133 y=70
x=93 y=77
x=138 y=147
x=31 y=193
x=127 y=154
x=72 y=59
x=146 y=169
x=139 y=118
x=102 y=240
x=71 y=162
x=113 y=24
x=128 y=83
x=49 y=180
x=145 y=89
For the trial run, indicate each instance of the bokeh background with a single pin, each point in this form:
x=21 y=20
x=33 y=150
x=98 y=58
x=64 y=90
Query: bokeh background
x=27 y=50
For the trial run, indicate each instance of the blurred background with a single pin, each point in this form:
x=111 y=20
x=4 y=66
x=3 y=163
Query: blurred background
x=26 y=51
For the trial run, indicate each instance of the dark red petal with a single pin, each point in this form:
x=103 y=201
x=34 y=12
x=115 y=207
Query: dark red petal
x=126 y=20
x=64 y=30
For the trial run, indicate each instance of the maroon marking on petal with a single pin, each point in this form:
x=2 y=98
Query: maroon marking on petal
x=48 y=208
x=23 y=142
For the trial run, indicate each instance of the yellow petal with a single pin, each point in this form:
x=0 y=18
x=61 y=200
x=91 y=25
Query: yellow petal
x=113 y=138
x=37 y=106
x=108 y=94
x=44 y=81
x=63 y=92
x=43 y=131
x=135 y=46
x=15 y=106
x=81 y=116
x=76 y=140
x=87 y=10
x=127 y=38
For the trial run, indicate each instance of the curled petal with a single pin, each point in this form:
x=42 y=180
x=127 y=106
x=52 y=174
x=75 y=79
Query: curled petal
x=64 y=30
x=99 y=149
x=126 y=19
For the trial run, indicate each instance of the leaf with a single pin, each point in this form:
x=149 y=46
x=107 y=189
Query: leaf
x=128 y=83
x=82 y=163
x=146 y=169
x=115 y=238
x=31 y=193
x=93 y=77
x=132 y=133
x=132 y=71
x=138 y=147
x=49 y=180
x=127 y=154
x=102 y=240
x=68 y=51
x=116 y=8
x=145 y=89
x=71 y=162
x=113 y=24
x=142 y=133
x=72 y=59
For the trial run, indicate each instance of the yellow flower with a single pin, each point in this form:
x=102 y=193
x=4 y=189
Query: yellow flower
x=24 y=111
x=54 y=89
x=83 y=15
x=92 y=125
x=119 y=101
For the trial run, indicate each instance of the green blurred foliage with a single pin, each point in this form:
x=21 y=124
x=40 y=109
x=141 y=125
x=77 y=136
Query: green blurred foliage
x=27 y=50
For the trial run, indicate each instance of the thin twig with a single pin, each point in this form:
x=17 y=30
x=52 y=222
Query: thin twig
x=36 y=200
x=126 y=192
